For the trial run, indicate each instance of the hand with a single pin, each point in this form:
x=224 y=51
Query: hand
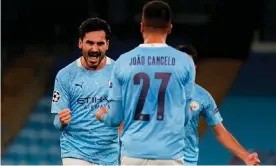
x=100 y=113
x=121 y=128
x=252 y=159
x=65 y=116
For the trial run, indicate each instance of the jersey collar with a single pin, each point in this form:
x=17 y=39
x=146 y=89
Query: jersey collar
x=154 y=45
x=108 y=61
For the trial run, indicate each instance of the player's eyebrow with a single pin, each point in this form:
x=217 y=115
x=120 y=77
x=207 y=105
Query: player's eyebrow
x=92 y=42
x=101 y=43
x=89 y=42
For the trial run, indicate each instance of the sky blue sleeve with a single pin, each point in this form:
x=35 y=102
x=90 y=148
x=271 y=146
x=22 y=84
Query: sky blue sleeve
x=115 y=114
x=115 y=89
x=190 y=80
x=57 y=123
x=211 y=113
x=189 y=89
x=60 y=98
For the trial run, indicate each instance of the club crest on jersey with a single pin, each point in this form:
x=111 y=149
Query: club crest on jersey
x=194 y=105
x=110 y=84
x=56 y=96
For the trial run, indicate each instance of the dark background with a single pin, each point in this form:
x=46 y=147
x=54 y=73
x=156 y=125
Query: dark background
x=216 y=28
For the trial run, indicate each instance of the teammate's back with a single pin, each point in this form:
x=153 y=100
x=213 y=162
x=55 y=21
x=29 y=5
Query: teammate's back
x=151 y=86
x=154 y=98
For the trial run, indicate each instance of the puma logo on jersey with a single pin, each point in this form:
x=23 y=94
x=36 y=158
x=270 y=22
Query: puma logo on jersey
x=79 y=85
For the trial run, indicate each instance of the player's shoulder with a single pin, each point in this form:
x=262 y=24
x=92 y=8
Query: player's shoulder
x=202 y=92
x=127 y=54
x=199 y=89
x=68 y=71
x=180 y=54
x=110 y=62
x=183 y=60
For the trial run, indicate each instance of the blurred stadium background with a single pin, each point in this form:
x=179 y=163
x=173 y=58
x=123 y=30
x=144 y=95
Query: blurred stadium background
x=236 y=41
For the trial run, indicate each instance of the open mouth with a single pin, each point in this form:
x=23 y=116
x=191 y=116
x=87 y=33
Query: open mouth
x=93 y=57
x=94 y=54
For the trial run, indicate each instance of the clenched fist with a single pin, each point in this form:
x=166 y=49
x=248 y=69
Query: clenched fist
x=252 y=159
x=65 y=116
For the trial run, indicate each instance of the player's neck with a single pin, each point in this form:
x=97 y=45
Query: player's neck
x=102 y=64
x=154 y=38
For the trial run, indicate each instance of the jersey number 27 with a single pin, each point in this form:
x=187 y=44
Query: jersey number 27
x=164 y=77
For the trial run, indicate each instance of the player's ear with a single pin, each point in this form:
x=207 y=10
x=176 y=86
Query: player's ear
x=141 y=27
x=170 y=29
x=80 y=43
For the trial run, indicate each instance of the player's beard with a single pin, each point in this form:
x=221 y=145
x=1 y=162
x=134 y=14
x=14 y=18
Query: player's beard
x=93 y=59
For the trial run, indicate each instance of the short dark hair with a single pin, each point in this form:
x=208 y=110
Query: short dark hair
x=190 y=50
x=157 y=14
x=94 y=24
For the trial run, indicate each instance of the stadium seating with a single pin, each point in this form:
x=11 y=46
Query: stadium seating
x=38 y=142
x=23 y=84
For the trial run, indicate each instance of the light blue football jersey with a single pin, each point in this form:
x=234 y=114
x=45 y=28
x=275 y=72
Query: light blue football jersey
x=153 y=83
x=202 y=104
x=84 y=92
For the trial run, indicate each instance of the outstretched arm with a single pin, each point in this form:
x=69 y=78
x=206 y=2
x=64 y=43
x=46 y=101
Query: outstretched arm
x=214 y=119
x=229 y=142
